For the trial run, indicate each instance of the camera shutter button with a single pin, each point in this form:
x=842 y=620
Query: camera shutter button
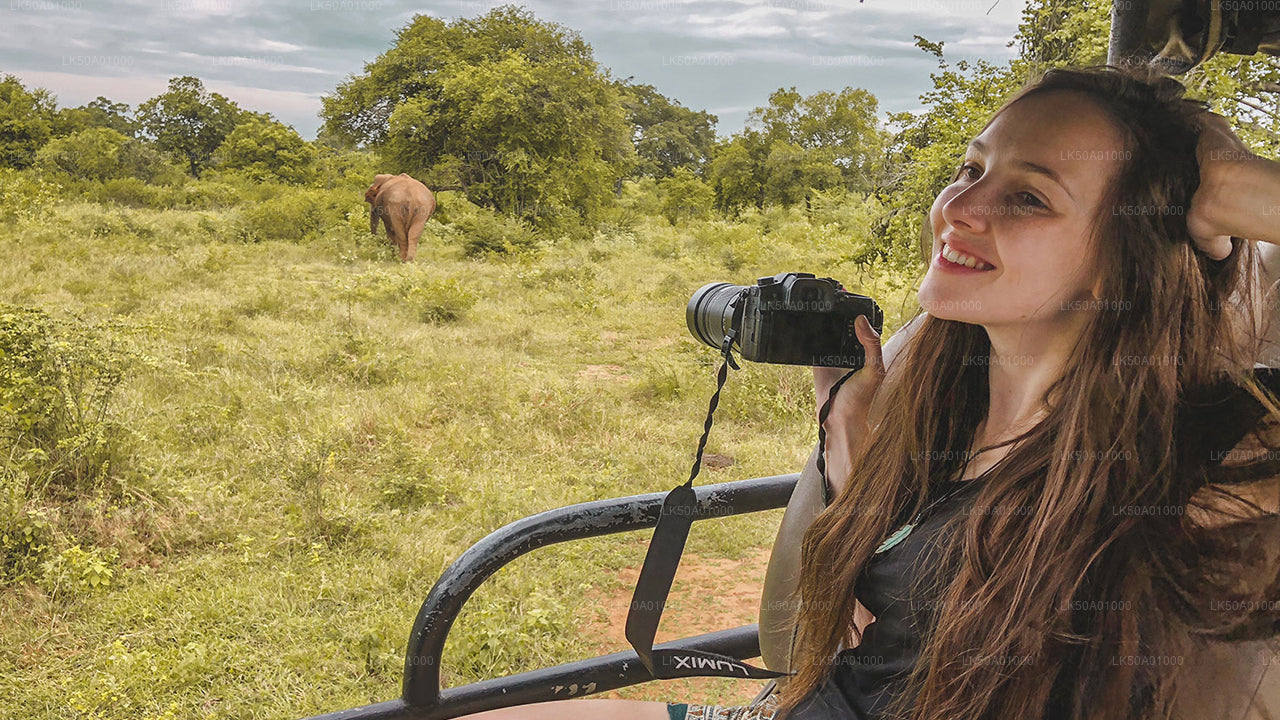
x=766 y=280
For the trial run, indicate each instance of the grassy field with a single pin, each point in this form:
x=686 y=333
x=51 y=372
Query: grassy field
x=305 y=434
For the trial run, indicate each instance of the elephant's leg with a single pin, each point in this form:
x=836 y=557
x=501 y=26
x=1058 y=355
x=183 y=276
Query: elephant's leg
x=401 y=237
x=414 y=232
x=387 y=223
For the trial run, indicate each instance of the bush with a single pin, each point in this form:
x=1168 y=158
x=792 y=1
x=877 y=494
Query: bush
x=103 y=154
x=208 y=195
x=430 y=300
x=486 y=233
x=268 y=151
x=131 y=192
x=76 y=571
x=25 y=539
x=296 y=215
x=685 y=195
x=25 y=197
x=337 y=167
x=57 y=381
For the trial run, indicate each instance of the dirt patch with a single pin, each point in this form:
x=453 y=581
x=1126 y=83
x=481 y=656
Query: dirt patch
x=717 y=462
x=708 y=594
x=604 y=372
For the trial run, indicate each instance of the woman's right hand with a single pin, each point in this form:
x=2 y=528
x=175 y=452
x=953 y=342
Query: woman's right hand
x=847 y=425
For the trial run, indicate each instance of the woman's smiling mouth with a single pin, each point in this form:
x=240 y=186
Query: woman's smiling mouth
x=955 y=258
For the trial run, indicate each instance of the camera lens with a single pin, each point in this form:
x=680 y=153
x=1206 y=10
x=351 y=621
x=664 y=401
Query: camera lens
x=712 y=312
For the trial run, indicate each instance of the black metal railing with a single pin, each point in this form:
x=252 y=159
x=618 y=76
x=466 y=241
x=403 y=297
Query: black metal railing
x=424 y=699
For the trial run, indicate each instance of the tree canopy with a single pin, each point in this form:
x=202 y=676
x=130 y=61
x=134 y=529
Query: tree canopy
x=100 y=153
x=797 y=144
x=26 y=122
x=927 y=147
x=513 y=108
x=99 y=113
x=188 y=121
x=267 y=150
x=666 y=134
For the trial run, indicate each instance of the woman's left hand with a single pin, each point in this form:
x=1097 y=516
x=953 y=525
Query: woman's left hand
x=1222 y=156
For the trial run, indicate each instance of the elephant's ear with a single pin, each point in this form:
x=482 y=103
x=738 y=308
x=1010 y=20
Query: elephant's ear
x=372 y=192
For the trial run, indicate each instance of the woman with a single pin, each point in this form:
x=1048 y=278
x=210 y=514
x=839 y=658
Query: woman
x=1022 y=499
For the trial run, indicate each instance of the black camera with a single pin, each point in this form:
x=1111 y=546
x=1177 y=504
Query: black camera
x=789 y=319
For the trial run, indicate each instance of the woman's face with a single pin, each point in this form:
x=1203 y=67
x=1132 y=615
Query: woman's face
x=1022 y=206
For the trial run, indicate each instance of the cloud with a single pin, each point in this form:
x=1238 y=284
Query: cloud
x=724 y=54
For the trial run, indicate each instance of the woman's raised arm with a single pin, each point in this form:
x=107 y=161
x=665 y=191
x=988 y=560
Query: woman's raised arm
x=1239 y=193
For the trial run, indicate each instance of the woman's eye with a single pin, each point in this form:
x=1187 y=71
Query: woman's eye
x=1030 y=199
x=966 y=170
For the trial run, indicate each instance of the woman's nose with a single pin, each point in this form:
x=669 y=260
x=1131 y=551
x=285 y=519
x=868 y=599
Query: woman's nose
x=970 y=207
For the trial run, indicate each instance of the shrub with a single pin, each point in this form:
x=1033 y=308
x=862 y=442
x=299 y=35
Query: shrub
x=25 y=197
x=685 y=195
x=208 y=195
x=431 y=300
x=102 y=154
x=486 y=233
x=76 y=571
x=267 y=150
x=131 y=192
x=57 y=381
x=294 y=216
x=25 y=538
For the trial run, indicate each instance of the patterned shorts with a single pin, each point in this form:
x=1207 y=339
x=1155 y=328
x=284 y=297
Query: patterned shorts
x=764 y=710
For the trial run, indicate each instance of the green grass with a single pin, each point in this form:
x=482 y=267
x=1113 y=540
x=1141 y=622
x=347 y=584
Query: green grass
x=318 y=431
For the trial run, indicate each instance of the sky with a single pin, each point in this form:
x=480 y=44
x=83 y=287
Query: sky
x=283 y=56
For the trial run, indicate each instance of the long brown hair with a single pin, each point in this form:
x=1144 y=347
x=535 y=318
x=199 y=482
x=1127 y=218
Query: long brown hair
x=1069 y=583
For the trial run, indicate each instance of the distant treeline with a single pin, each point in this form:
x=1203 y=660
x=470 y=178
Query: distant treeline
x=517 y=112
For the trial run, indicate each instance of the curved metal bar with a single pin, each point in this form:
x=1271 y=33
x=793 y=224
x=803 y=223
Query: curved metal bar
x=571 y=680
x=591 y=519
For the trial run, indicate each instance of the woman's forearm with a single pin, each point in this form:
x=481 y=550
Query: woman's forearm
x=1248 y=204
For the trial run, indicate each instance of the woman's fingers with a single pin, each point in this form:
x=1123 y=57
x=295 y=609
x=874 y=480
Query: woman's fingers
x=870 y=340
x=1217 y=247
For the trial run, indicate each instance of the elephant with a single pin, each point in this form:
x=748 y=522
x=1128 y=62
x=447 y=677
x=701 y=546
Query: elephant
x=405 y=205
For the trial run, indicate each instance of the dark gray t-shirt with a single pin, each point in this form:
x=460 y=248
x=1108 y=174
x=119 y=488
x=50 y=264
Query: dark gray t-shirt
x=866 y=678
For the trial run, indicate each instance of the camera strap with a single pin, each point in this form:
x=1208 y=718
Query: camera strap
x=659 y=570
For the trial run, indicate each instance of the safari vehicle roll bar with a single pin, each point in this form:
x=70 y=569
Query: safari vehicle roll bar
x=424 y=699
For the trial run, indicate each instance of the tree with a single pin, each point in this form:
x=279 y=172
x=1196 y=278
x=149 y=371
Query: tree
x=188 y=121
x=514 y=109
x=685 y=195
x=101 y=112
x=101 y=154
x=924 y=154
x=840 y=128
x=268 y=150
x=1246 y=90
x=797 y=144
x=792 y=172
x=26 y=122
x=737 y=172
x=666 y=134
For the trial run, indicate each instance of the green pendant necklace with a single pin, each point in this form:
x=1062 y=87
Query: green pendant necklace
x=901 y=533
